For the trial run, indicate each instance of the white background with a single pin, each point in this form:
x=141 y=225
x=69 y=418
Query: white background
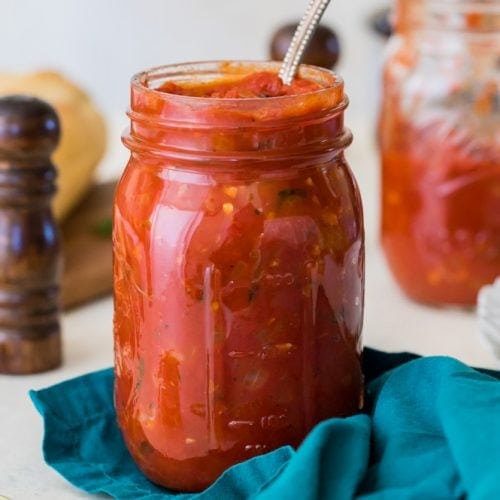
x=101 y=43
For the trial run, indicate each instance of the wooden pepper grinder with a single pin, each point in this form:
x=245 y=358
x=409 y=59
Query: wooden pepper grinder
x=30 y=336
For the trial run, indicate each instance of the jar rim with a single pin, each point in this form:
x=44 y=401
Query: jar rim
x=160 y=74
x=179 y=125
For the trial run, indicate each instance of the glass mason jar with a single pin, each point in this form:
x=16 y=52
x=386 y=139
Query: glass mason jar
x=440 y=149
x=238 y=273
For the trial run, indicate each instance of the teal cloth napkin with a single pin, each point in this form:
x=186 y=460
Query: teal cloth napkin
x=431 y=430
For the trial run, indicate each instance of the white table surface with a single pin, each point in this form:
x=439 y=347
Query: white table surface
x=392 y=323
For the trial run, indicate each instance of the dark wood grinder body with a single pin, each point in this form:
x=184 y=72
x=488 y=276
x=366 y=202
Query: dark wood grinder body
x=30 y=265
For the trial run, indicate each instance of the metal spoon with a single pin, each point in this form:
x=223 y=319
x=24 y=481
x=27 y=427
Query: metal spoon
x=301 y=38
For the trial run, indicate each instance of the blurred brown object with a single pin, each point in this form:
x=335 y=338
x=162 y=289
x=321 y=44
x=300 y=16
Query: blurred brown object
x=83 y=137
x=88 y=267
x=30 y=337
x=323 y=49
x=381 y=22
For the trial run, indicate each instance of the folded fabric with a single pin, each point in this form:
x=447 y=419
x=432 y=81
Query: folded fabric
x=431 y=430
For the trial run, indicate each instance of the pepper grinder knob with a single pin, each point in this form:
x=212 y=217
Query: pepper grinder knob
x=30 y=263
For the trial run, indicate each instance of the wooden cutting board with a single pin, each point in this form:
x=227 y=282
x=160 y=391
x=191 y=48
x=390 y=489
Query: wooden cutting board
x=88 y=270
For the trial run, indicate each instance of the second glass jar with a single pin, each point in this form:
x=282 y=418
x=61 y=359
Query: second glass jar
x=440 y=149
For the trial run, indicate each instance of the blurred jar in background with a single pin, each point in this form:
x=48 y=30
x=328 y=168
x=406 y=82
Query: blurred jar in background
x=440 y=149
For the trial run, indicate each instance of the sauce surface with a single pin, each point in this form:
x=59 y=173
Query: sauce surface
x=261 y=84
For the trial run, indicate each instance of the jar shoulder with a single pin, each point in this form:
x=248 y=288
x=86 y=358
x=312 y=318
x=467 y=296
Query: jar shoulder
x=145 y=188
x=205 y=218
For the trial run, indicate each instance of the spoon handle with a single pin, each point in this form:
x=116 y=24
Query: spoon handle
x=301 y=38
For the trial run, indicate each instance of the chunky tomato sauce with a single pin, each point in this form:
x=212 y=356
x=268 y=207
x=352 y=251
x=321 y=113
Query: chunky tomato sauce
x=238 y=287
x=260 y=84
x=441 y=204
x=439 y=134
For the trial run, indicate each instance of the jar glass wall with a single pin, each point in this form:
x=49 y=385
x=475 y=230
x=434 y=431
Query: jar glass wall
x=239 y=273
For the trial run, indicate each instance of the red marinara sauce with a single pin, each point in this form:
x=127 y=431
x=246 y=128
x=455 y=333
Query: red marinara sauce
x=259 y=84
x=441 y=223
x=440 y=150
x=239 y=268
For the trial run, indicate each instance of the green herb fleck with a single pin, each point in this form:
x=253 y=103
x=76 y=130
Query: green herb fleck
x=104 y=228
x=252 y=292
x=287 y=193
x=145 y=448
